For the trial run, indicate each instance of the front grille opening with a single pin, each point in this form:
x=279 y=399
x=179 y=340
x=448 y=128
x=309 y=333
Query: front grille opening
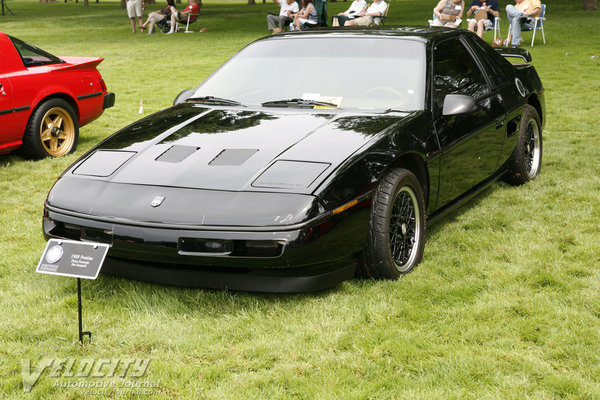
x=258 y=248
x=234 y=248
x=75 y=232
x=190 y=246
x=62 y=230
x=97 y=235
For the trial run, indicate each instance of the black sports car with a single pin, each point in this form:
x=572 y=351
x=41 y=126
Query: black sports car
x=305 y=158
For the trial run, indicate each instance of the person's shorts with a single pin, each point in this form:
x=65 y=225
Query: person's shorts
x=364 y=21
x=306 y=21
x=134 y=8
x=488 y=24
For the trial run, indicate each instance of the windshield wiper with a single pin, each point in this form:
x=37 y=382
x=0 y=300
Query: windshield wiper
x=298 y=103
x=396 y=110
x=213 y=100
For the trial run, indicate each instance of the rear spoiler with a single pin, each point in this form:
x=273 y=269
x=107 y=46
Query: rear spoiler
x=515 y=52
x=71 y=63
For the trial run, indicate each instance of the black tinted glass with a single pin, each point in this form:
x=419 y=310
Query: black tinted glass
x=455 y=72
x=32 y=56
x=494 y=62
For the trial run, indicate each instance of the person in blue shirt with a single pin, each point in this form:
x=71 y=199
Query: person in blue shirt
x=492 y=10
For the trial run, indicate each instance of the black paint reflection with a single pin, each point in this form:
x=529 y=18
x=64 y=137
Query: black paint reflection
x=219 y=122
x=366 y=125
x=135 y=135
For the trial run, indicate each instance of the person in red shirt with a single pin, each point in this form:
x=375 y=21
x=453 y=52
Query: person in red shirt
x=192 y=8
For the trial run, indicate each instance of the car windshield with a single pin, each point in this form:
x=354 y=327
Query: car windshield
x=32 y=56
x=375 y=73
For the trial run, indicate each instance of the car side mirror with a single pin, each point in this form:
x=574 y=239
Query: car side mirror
x=183 y=96
x=457 y=104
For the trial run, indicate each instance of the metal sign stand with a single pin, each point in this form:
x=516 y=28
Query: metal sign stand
x=79 y=307
x=76 y=260
x=5 y=6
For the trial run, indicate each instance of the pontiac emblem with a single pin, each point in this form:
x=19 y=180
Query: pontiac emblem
x=157 y=201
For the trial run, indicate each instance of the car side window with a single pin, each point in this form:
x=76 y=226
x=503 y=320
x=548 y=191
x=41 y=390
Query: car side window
x=33 y=56
x=491 y=59
x=455 y=72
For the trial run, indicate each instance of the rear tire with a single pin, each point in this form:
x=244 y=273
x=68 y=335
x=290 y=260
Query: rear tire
x=396 y=237
x=526 y=160
x=52 y=130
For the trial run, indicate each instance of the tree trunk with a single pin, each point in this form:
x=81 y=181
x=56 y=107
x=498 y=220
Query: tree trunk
x=123 y=3
x=86 y=3
x=590 y=5
x=251 y=2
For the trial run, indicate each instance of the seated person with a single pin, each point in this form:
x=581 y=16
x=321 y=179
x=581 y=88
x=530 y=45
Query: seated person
x=491 y=10
x=286 y=9
x=449 y=13
x=354 y=11
x=192 y=8
x=377 y=9
x=157 y=16
x=306 y=16
x=520 y=16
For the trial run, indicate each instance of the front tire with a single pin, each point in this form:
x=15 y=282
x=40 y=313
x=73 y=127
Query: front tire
x=396 y=237
x=526 y=161
x=52 y=130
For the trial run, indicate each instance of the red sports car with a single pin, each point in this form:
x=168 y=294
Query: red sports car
x=44 y=99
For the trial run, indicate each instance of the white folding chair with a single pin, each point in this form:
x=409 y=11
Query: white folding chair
x=187 y=25
x=538 y=24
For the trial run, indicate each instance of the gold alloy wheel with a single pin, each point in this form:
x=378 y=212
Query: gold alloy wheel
x=57 y=132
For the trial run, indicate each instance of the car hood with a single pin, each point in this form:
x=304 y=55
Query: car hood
x=189 y=146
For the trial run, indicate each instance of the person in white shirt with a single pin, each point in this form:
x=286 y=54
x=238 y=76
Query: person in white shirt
x=354 y=11
x=377 y=9
x=287 y=8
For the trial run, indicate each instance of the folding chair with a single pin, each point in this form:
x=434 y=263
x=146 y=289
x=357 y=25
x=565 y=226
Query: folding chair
x=191 y=18
x=538 y=24
x=378 y=21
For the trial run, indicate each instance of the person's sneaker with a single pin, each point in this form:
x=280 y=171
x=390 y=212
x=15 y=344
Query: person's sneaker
x=276 y=30
x=524 y=20
x=171 y=31
x=514 y=46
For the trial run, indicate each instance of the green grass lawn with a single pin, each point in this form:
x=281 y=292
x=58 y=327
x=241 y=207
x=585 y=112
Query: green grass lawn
x=505 y=305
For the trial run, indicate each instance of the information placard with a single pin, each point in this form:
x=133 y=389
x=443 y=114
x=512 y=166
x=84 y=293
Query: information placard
x=72 y=258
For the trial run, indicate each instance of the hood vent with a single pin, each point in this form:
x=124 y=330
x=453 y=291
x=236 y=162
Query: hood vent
x=232 y=157
x=177 y=153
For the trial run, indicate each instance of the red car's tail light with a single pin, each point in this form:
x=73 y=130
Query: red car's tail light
x=103 y=85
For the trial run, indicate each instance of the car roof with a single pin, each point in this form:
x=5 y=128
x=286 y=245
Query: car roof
x=423 y=33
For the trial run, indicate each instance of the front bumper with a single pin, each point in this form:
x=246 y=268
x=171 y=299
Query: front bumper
x=307 y=257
